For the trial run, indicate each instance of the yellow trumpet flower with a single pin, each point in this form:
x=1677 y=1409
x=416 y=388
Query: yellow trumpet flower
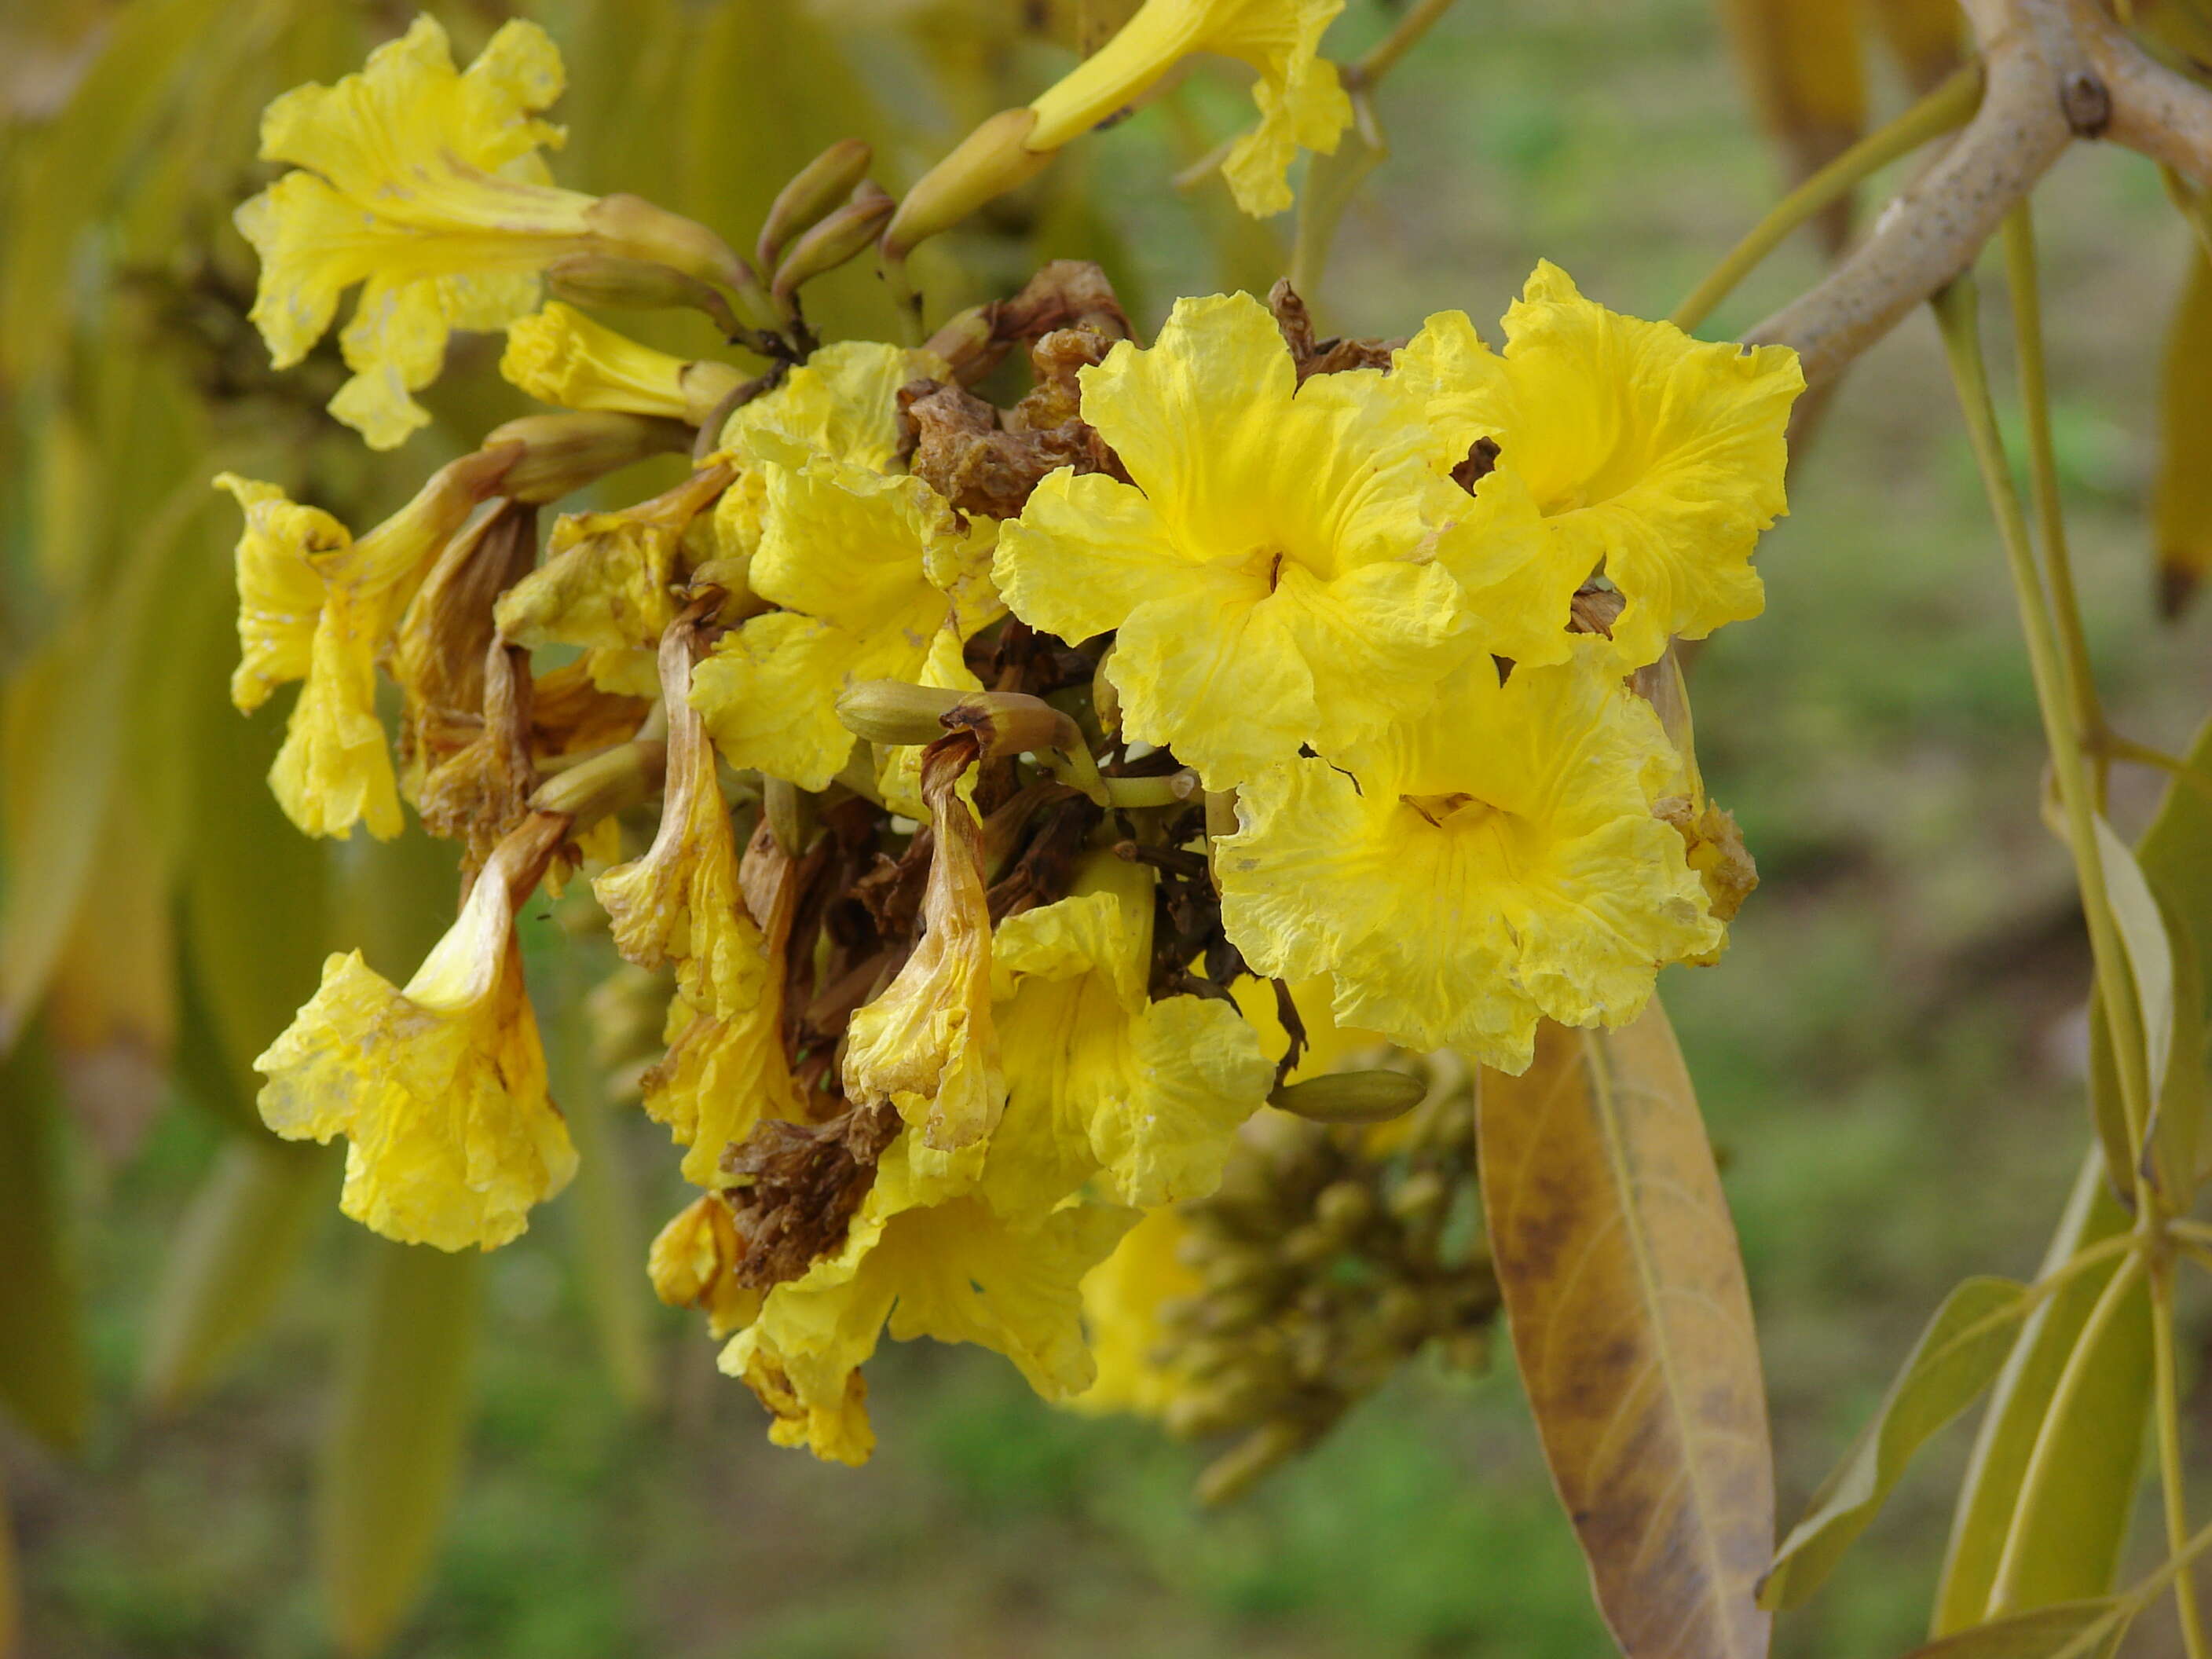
x=425 y=185
x=1651 y=455
x=1302 y=106
x=726 y=1067
x=1494 y=860
x=951 y=1271
x=438 y=1087
x=315 y=605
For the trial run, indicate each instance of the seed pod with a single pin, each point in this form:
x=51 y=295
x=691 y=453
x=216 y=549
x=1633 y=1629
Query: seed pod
x=813 y=192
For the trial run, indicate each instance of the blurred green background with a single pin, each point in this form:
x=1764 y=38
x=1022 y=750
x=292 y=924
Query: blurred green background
x=1890 y=1056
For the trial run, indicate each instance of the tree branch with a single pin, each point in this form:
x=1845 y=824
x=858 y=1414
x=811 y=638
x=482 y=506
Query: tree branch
x=2166 y=116
x=2041 y=94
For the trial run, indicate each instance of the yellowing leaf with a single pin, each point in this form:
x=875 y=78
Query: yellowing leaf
x=1803 y=66
x=396 y=1436
x=1955 y=1360
x=2073 y=1630
x=2181 y=518
x=110 y=1005
x=1629 y=1316
x=1924 y=36
x=231 y=1255
x=2066 y=1540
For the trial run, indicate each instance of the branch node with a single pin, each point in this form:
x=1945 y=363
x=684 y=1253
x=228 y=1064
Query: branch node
x=2086 y=103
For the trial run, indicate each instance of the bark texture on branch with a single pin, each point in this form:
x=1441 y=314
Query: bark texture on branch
x=2054 y=70
x=2166 y=116
x=1932 y=231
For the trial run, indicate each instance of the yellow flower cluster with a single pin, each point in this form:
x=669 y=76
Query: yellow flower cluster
x=997 y=749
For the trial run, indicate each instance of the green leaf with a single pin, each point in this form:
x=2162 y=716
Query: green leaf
x=605 y=1232
x=2106 y=1109
x=240 y=1241
x=12 y=1600
x=396 y=1436
x=44 y=1378
x=1958 y=1353
x=2143 y=934
x=2176 y=854
x=2073 y=1630
x=256 y=916
x=2066 y=1545
x=1626 y=1298
x=2178 y=1114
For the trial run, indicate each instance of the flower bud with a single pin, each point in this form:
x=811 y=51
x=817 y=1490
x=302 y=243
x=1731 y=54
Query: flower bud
x=970 y=341
x=1351 y=1096
x=562 y=453
x=832 y=242
x=607 y=783
x=1004 y=722
x=631 y=227
x=1344 y=1208
x=985 y=165
x=1233 y=1473
x=893 y=712
x=607 y=280
x=814 y=190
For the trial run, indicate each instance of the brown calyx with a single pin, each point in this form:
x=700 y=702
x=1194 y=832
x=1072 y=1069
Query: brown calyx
x=1314 y=355
x=986 y=460
x=796 y=1186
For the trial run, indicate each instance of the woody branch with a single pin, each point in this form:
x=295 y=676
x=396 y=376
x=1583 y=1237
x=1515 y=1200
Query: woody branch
x=2054 y=70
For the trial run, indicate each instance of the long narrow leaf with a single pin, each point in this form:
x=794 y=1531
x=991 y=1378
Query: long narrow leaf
x=234 y=1251
x=1631 y=1323
x=2076 y=1630
x=396 y=1435
x=1956 y=1358
x=2067 y=1544
x=44 y=1379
